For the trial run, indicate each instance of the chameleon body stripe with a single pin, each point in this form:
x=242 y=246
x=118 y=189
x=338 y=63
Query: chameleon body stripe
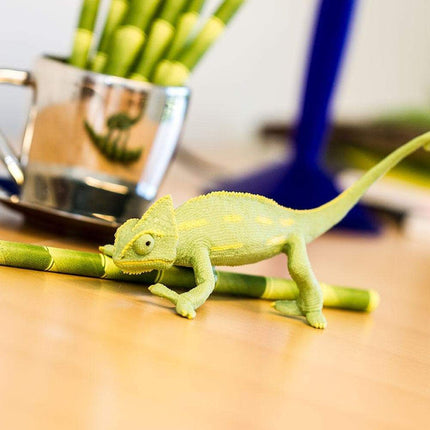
x=278 y=240
x=264 y=220
x=286 y=222
x=227 y=247
x=234 y=218
x=189 y=225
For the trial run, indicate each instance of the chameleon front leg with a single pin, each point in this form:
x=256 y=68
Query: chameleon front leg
x=107 y=250
x=310 y=300
x=187 y=303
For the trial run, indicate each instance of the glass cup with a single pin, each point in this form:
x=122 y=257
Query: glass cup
x=94 y=145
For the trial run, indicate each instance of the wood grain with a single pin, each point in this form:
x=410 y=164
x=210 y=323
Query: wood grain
x=78 y=353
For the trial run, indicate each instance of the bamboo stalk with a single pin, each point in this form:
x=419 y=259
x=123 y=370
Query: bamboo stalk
x=177 y=72
x=84 y=33
x=184 y=27
x=97 y=265
x=159 y=38
x=116 y=14
x=129 y=38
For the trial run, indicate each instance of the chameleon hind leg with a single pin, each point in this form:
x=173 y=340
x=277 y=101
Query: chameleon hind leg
x=187 y=303
x=310 y=301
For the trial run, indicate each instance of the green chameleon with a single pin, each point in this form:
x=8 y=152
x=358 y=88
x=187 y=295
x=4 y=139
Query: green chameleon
x=230 y=229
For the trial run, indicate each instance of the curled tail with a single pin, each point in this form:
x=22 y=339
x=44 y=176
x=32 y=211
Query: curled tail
x=317 y=221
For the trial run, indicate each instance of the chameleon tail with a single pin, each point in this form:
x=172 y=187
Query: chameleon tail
x=317 y=221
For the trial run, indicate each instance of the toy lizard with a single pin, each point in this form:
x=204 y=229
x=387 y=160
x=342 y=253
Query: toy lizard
x=229 y=229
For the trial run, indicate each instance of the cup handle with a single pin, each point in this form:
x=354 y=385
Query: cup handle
x=8 y=156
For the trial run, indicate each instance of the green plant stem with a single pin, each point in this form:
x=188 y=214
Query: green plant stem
x=184 y=27
x=84 y=33
x=129 y=38
x=116 y=14
x=97 y=265
x=159 y=38
x=176 y=72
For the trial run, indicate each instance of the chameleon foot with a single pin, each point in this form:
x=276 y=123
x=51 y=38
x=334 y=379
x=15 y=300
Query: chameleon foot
x=315 y=319
x=288 y=307
x=183 y=306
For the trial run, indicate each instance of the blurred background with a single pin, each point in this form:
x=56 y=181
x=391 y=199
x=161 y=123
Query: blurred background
x=254 y=72
x=251 y=80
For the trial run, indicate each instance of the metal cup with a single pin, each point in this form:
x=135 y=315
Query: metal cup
x=95 y=145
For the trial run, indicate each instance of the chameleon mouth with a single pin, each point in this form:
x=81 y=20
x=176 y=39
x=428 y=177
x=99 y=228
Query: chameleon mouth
x=135 y=267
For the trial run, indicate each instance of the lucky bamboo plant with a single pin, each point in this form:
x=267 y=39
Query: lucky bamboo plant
x=117 y=11
x=149 y=40
x=84 y=33
x=161 y=33
x=129 y=38
x=187 y=22
x=177 y=70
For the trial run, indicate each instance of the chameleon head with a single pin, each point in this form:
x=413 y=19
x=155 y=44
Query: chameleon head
x=149 y=243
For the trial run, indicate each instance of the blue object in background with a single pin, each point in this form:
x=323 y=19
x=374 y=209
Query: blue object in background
x=304 y=183
x=9 y=186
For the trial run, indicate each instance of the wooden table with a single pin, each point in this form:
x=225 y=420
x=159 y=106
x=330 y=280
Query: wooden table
x=79 y=353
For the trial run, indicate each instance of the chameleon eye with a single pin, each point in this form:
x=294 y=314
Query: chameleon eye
x=144 y=244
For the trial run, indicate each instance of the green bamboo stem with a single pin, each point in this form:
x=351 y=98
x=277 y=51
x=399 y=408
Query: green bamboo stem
x=184 y=27
x=84 y=33
x=185 y=24
x=160 y=36
x=176 y=72
x=129 y=38
x=116 y=14
x=97 y=265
